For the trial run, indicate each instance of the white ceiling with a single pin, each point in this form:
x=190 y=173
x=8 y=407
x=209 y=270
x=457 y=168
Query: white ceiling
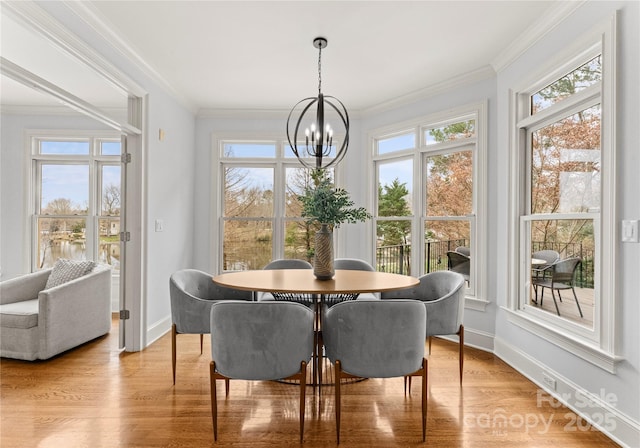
x=259 y=54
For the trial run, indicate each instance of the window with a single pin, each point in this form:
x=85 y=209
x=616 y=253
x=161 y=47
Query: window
x=429 y=175
x=77 y=199
x=261 y=215
x=565 y=153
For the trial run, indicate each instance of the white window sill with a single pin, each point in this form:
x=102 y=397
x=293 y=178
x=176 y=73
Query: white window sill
x=585 y=350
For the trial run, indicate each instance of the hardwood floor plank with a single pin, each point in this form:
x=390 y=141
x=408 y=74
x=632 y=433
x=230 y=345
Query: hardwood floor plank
x=94 y=396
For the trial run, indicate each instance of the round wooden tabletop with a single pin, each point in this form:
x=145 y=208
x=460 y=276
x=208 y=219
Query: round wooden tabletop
x=303 y=281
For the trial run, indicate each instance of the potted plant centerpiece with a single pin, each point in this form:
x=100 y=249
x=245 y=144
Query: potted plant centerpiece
x=324 y=204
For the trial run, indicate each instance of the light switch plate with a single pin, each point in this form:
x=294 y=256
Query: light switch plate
x=159 y=225
x=629 y=231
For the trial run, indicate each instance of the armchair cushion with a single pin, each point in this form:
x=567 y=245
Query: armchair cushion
x=66 y=270
x=20 y=314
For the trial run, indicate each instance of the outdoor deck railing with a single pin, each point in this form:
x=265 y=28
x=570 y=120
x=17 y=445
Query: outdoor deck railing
x=397 y=258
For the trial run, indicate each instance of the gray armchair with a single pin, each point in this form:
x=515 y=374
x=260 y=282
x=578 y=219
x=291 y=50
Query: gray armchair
x=442 y=293
x=38 y=322
x=287 y=263
x=260 y=341
x=376 y=339
x=353 y=264
x=192 y=293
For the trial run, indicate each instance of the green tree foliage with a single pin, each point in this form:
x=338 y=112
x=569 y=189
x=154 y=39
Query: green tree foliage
x=392 y=201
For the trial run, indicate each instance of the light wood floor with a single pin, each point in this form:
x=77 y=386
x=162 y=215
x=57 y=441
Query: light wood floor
x=94 y=396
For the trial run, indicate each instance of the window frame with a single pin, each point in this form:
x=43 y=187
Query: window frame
x=94 y=160
x=476 y=297
x=280 y=162
x=596 y=345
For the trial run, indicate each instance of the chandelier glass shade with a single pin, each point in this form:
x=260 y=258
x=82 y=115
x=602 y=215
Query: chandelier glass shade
x=317 y=143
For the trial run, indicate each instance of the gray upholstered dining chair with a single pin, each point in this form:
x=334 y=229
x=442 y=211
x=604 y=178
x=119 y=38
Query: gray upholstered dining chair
x=353 y=264
x=260 y=341
x=192 y=293
x=287 y=263
x=442 y=293
x=372 y=338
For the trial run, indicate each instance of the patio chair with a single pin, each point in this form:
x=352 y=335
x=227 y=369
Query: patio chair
x=459 y=263
x=562 y=277
x=543 y=271
x=464 y=250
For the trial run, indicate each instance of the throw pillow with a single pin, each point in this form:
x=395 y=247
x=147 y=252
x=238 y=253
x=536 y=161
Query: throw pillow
x=66 y=270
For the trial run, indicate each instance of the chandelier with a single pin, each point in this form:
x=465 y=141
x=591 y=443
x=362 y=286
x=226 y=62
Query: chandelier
x=318 y=133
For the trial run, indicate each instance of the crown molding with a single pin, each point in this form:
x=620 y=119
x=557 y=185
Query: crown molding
x=36 y=18
x=552 y=18
x=86 y=12
x=480 y=74
x=52 y=110
x=243 y=113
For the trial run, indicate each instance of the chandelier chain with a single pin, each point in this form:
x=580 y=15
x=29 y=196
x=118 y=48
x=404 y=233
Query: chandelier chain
x=320 y=69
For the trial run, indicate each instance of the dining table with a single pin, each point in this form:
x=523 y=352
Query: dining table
x=287 y=284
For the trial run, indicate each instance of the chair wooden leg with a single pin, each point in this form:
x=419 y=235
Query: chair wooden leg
x=303 y=387
x=201 y=339
x=461 y=348
x=214 y=404
x=173 y=351
x=226 y=387
x=338 y=369
x=425 y=374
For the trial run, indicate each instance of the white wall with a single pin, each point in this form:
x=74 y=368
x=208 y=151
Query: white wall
x=526 y=351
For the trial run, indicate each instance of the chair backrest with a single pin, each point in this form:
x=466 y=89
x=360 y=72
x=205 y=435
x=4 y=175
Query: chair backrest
x=260 y=340
x=287 y=263
x=549 y=256
x=458 y=262
x=200 y=285
x=352 y=264
x=564 y=270
x=375 y=338
x=191 y=294
x=443 y=295
x=464 y=250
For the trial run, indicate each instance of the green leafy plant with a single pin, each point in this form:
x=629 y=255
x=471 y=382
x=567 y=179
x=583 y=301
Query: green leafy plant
x=325 y=204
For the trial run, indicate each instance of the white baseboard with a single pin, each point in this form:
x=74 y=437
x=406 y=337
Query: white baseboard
x=596 y=410
x=158 y=329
